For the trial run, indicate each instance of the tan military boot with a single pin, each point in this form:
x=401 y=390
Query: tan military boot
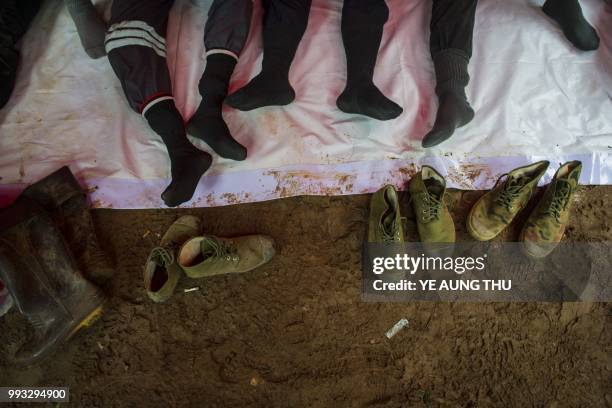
x=496 y=209
x=209 y=255
x=385 y=224
x=546 y=224
x=162 y=272
x=434 y=222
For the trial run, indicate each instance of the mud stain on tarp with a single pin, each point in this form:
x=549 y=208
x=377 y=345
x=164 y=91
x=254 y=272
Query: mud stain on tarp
x=99 y=203
x=212 y=200
x=398 y=177
x=294 y=183
x=407 y=172
x=269 y=122
x=468 y=175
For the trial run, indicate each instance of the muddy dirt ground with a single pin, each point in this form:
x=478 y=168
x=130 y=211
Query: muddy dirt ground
x=294 y=333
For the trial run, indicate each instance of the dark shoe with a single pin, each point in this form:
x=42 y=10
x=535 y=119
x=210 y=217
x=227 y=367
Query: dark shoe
x=41 y=275
x=61 y=195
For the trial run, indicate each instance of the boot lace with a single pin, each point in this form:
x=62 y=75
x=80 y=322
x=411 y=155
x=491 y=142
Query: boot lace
x=560 y=199
x=431 y=211
x=220 y=249
x=509 y=193
x=389 y=237
x=163 y=255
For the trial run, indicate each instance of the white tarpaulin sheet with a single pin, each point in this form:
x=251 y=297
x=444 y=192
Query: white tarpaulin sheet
x=535 y=96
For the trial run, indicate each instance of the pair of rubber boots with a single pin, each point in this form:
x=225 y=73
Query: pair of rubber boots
x=183 y=249
x=47 y=245
x=434 y=223
x=546 y=224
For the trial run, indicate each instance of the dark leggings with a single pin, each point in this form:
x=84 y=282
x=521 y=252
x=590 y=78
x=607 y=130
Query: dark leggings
x=452 y=25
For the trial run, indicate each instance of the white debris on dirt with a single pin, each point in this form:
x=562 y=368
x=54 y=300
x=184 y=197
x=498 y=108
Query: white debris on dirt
x=396 y=328
x=192 y=289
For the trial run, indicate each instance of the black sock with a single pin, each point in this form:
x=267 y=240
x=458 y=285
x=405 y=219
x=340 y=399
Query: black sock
x=187 y=163
x=568 y=14
x=454 y=110
x=207 y=123
x=362 y=29
x=283 y=27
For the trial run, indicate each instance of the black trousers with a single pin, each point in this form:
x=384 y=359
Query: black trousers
x=136 y=47
x=452 y=26
x=15 y=18
x=452 y=21
x=136 y=43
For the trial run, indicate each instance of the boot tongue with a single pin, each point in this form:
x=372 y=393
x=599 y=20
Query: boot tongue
x=209 y=248
x=434 y=187
x=388 y=221
x=560 y=197
x=518 y=181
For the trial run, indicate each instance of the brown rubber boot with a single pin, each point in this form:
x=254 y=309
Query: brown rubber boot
x=61 y=195
x=41 y=275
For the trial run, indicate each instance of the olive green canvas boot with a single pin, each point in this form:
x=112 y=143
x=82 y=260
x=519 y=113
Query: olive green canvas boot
x=385 y=225
x=546 y=224
x=496 y=209
x=209 y=255
x=162 y=271
x=434 y=222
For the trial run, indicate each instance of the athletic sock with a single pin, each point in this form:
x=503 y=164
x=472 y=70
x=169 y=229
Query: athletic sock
x=266 y=89
x=362 y=29
x=454 y=109
x=568 y=14
x=283 y=27
x=207 y=123
x=270 y=87
x=187 y=163
x=90 y=26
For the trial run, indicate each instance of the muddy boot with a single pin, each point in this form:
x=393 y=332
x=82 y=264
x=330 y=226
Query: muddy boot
x=62 y=196
x=208 y=255
x=41 y=275
x=495 y=210
x=162 y=271
x=6 y=300
x=434 y=222
x=546 y=224
x=385 y=224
